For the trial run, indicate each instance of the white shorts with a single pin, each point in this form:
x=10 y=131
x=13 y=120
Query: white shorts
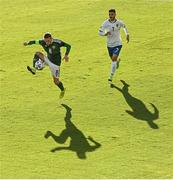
x=55 y=70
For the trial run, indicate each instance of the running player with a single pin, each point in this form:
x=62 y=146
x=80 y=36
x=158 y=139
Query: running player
x=111 y=28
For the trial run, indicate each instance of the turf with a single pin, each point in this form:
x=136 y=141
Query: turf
x=132 y=145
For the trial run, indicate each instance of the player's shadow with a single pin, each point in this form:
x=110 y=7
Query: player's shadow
x=78 y=143
x=139 y=110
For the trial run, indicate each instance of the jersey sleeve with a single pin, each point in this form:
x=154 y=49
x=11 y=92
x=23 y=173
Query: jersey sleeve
x=35 y=42
x=102 y=30
x=68 y=47
x=59 y=42
x=64 y=44
x=124 y=27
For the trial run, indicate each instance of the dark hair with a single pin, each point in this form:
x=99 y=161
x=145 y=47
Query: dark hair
x=112 y=10
x=47 y=35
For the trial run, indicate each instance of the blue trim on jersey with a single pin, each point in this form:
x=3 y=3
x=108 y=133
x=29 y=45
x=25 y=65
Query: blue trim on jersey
x=114 y=50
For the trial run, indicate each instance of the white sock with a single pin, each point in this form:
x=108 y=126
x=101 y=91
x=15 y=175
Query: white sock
x=113 y=67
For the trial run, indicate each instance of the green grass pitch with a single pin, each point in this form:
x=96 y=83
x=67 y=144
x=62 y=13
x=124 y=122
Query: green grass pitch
x=131 y=123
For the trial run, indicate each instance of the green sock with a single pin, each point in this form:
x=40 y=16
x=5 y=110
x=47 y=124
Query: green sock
x=60 y=85
x=35 y=59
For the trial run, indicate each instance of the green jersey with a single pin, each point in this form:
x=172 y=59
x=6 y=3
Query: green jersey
x=53 y=50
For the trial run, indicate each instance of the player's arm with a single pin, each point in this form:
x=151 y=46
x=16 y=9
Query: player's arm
x=126 y=31
x=103 y=31
x=32 y=42
x=127 y=34
x=68 y=48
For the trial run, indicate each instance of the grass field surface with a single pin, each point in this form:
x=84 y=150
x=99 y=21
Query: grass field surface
x=130 y=122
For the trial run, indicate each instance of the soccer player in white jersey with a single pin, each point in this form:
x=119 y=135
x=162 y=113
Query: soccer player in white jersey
x=111 y=28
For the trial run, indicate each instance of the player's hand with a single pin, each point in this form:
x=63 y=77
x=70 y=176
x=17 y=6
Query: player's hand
x=66 y=58
x=25 y=43
x=127 y=38
x=108 y=34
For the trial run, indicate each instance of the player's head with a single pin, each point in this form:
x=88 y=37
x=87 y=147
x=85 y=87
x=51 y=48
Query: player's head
x=48 y=38
x=112 y=14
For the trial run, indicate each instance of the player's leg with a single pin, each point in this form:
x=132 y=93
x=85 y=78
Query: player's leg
x=113 y=67
x=37 y=56
x=60 y=85
x=55 y=70
x=110 y=51
x=114 y=53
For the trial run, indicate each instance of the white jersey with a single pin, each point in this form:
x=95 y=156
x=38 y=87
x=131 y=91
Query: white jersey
x=114 y=39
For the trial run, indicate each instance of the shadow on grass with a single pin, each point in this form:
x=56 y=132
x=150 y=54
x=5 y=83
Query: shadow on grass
x=139 y=110
x=78 y=143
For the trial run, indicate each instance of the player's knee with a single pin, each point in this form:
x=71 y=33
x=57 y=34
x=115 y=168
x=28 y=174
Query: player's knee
x=39 y=54
x=114 y=58
x=56 y=81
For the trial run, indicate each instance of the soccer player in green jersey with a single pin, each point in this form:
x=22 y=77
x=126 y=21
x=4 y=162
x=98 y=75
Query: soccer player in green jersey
x=53 y=59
